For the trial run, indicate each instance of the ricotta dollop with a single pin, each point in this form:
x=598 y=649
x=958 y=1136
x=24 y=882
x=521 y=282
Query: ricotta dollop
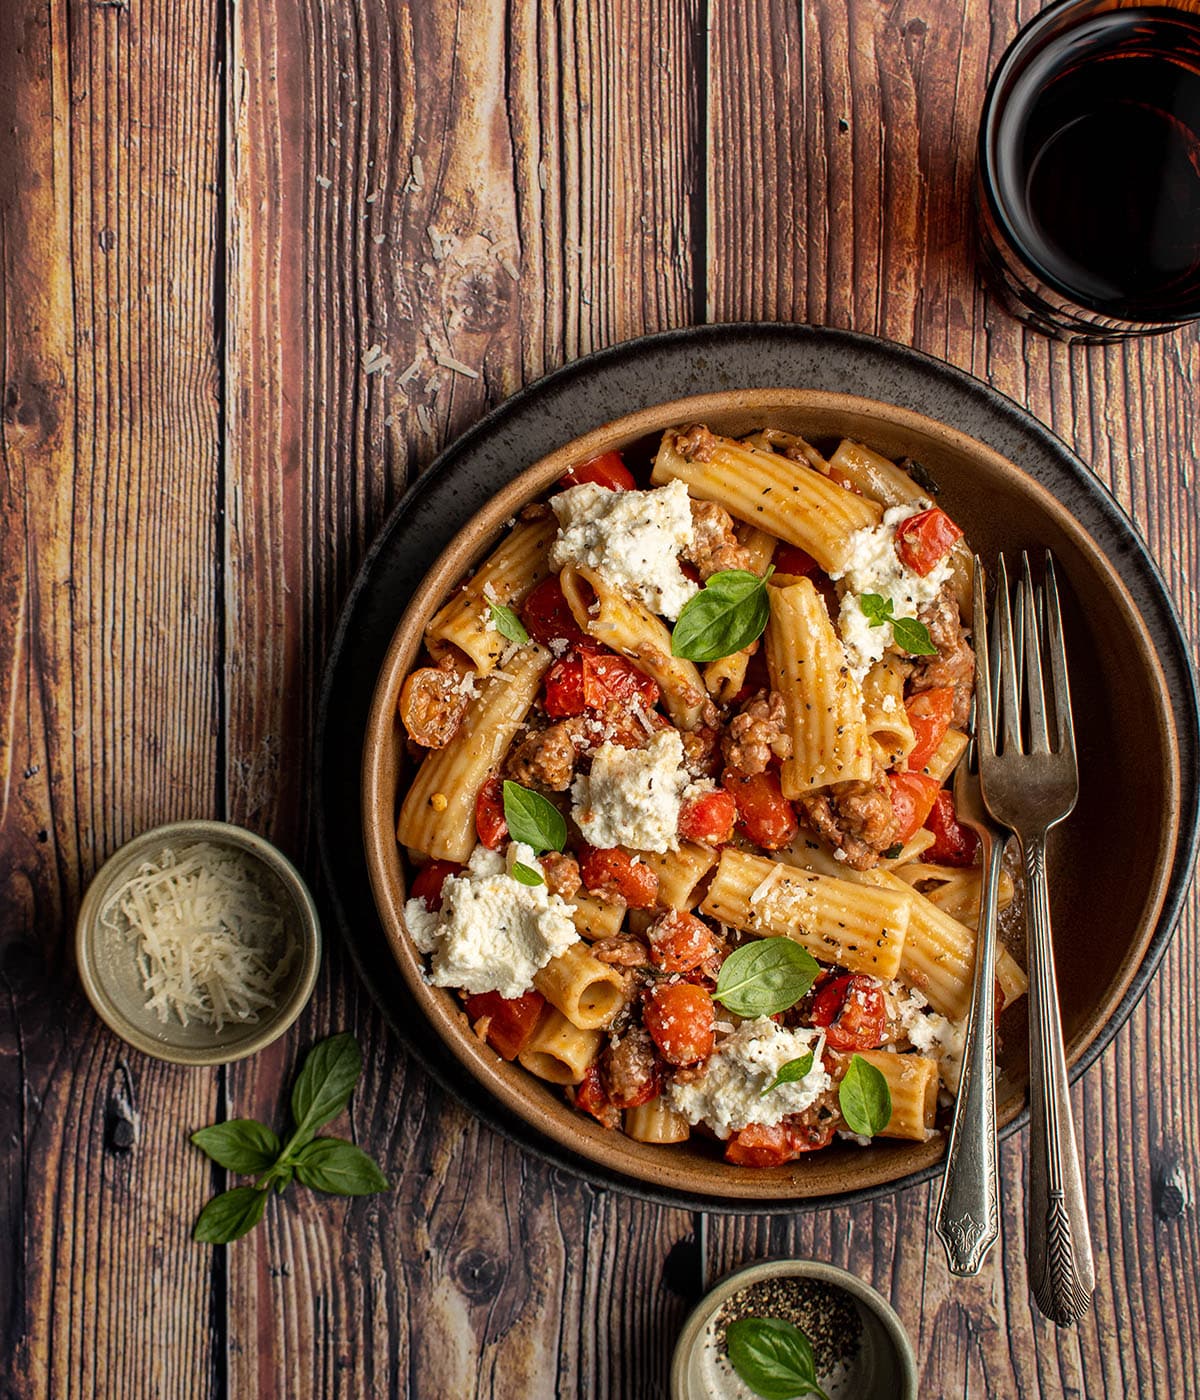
x=729 y=1095
x=932 y=1034
x=633 y=539
x=873 y=566
x=492 y=932
x=632 y=796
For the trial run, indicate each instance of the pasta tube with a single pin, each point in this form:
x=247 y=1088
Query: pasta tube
x=558 y=1050
x=588 y=992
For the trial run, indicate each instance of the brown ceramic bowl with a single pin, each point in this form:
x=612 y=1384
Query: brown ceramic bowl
x=1109 y=863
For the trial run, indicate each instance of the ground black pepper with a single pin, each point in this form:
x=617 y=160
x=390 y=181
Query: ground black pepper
x=826 y=1315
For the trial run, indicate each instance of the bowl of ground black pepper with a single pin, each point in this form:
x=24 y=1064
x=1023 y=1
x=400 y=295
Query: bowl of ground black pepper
x=859 y=1348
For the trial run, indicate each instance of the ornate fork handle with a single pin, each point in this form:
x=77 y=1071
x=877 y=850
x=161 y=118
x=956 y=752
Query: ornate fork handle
x=968 y=1217
x=1061 y=1271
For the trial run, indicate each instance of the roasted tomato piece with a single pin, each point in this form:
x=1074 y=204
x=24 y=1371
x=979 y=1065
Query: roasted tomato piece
x=929 y=714
x=913 y=796
x=765 y=816
x=953 y=844
x=608 y=678
x=590 y=1097
x=853 y=1012
x=762 y=1146
x=615 y=872
x=791 y=559
x=924 y=540
x=563 y=688
x=680 y=942
x=428 y=881
x=510 y=1019
x=607 y=470
x=708 y=817
x=490 y=823
x=680 y=1017
x=548 y=617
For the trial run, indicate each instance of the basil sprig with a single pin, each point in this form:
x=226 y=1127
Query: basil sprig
x=773 y=1357
x=508 y=624
x=532 y=819
x=248 y=1147
x=909 y=634
x=764 y=977
x=525 y=874
x=790 y=1073
x=728 y=613
x=865 y=1099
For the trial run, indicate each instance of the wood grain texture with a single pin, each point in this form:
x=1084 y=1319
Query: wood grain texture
x=258 y=263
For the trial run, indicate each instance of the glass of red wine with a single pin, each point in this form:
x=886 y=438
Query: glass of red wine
x=1088 y=178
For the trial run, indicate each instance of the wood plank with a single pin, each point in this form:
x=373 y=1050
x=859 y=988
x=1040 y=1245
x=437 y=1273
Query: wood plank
x=480 y=191
x=108 y=649
x=878 y=184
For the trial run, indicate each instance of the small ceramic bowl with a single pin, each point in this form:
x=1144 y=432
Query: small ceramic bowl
x=860 y=1346
x=108 y=967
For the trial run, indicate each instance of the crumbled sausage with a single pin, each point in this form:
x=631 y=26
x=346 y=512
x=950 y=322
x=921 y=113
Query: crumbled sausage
x=701 y=751
x=621 y=950
x=954 y=664
x=561 y=873
x=695 y=443
x=630 y=1069
x=856 y=818
x=547 y=758
x=756 y=733
x=433 y=701
x=714 y=546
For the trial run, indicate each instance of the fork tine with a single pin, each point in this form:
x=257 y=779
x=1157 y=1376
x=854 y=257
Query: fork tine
x=1058 y=662
x=985 y=746
x=1009 y=737
x=1035 y=694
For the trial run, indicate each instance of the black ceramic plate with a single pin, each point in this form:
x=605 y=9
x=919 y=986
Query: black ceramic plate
x=584 y=395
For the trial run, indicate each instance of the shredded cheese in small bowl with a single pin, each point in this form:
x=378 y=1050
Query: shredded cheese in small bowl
x=198 y=943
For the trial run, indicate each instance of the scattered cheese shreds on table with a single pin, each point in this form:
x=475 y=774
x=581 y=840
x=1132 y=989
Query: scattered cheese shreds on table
x=211 y=943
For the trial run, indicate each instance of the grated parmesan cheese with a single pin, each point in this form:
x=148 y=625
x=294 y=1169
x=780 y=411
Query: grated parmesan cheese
x=211 y=942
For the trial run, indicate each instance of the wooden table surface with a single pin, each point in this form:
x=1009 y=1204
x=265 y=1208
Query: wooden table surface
x=209 y=214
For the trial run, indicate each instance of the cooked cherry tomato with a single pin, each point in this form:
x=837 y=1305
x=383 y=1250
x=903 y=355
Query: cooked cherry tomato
x=929 y=714
x=708 y=817
x=590 y=1097
x=511 y=1019
x=608 y=678
x=548 y=617
x=490 y=823
x=608 y=470
x=791 y=559
x=765 y=816
x=953 y=844
x=615 y=871
x=913 y=796
x=563 y=688
x=852 y=1010
x=428 y=881
x=680 y=942
x=680 y=1020
x=924 y=540
x=762 y=1146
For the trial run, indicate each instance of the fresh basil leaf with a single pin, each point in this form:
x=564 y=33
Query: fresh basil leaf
x=773 y=1357
x=241 y=1145
x=337 y=1166
x=508 y=624
x=913 y=637
x=533 y=820
x=525 y=874
x=323 y=1087
x=764 y=977
x=230 y=1215
x=875 y=608
x=865 y=1099
x=893 y=851
x=728 y=613
x=790 y=1073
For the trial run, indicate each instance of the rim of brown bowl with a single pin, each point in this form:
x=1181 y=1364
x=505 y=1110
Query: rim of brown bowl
x=835 y=1171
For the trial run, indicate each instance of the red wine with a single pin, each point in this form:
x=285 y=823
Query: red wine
x=1095 y=164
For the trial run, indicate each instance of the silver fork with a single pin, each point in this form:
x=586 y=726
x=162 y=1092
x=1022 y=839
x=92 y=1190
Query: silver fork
x=1029 y=790
x=968 y=1214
